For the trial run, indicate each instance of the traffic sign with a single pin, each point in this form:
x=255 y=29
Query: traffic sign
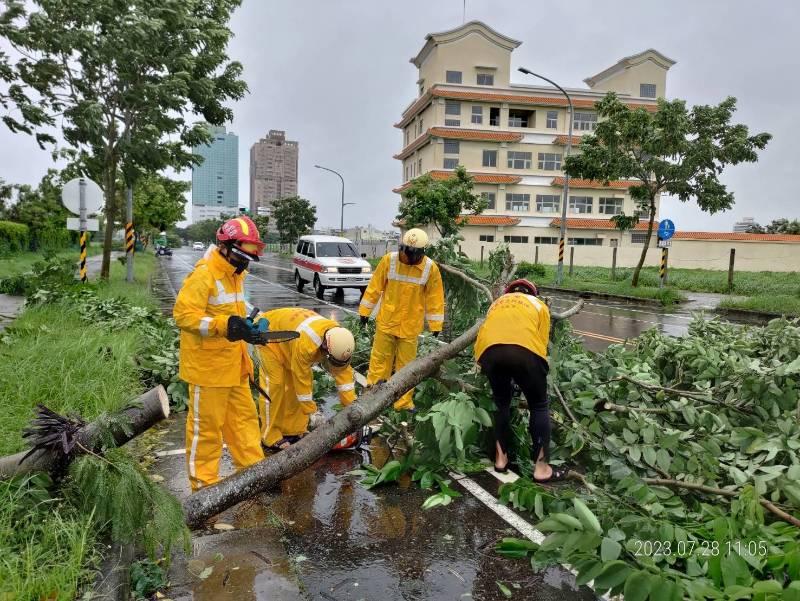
x=74 y=224
x=664 y=243
x=71 y=196
x=666 y=229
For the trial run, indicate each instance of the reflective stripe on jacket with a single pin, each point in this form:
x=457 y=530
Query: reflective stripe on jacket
x=209 y=296
x=408 y=295
x=299 y=355
x=516 y=318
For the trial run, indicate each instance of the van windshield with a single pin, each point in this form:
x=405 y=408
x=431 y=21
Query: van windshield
x=336 y=249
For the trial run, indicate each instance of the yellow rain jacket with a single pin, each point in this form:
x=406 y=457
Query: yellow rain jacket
x=286 y=373
x=209 y=296
x=516 y=318
x=408 y=295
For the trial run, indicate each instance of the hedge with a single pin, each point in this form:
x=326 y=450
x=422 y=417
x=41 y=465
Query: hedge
x=14 y=237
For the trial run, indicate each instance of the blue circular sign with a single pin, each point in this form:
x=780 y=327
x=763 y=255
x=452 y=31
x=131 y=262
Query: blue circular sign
x=666 y=229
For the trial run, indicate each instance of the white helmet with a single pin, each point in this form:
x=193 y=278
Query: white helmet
x=415 y=238
x=338 y=346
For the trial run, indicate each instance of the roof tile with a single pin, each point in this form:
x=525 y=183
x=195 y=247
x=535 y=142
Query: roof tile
x=458 y=134
x=480 y=178
x=607 y=224
x=489 y=220
x=593 y=184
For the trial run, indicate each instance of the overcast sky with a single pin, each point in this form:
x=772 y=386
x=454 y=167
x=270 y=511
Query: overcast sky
x=335 y=76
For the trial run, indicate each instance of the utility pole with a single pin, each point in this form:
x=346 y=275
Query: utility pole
x=344 y=204
x=129 y=236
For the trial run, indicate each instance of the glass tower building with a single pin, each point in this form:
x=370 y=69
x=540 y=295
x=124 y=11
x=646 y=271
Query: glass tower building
x=215 y=181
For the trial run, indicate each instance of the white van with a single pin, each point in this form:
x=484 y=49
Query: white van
x=329 y=262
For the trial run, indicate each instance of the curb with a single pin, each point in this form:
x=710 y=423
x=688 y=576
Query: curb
x=605 y=295
x=749 y=314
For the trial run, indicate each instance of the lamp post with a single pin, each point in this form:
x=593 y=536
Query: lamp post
x=344 y=204
x=563 y=234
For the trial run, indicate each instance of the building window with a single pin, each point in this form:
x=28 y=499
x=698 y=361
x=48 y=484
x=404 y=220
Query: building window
x=452 y=107
x=450 y=163
x=519 y=160
x=489 y=197
x=451 y=146
x=477 y=114
x=516 y=239
x=552 y=119
x=452 y=122
x=585 y=241
x=638 y=237
x=520 y=118
x=407 y=135
x=580 y=204
x=518 y=202
x=613 y=242
x=647 y=90
x=549 y=161
x=610 y=206
x=584 y=121
x=485 y=79
x=421 y=89
x=545 y=240
x=490 y=158
x=453 y=76
x=486 y=238
x=494 y=116
x=548 y=203
x=419 y=166
x=421 y=121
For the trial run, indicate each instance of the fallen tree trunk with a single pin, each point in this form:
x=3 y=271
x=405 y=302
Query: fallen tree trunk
x=144 y=412
x=262 y=476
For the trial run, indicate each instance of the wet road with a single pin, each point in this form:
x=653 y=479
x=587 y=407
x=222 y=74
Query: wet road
x=324 y=536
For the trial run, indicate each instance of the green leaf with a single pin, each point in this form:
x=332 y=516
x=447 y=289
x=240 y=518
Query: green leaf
x=649 y=454
x=587 y=518
x=737 y=593
x=767 y=586
x=436 y=500
x=503 y=589
x=588 y=571
x=609 y=549
x=637 y=586
x=664 y=590
x=663 y=459
x=614 y=573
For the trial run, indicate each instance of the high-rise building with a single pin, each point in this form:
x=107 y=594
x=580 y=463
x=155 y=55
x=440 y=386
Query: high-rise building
x=273 y=171
x=511 y=138
x=215 y=181
x=744 y=225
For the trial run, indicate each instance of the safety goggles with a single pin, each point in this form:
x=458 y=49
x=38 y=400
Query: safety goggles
x=246 y=251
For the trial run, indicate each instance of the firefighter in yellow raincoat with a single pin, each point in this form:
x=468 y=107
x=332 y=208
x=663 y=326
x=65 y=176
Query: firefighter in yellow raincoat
x=210 y=312
x=285 y=372
x=407 y=289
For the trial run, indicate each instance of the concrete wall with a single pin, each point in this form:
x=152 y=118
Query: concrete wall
x=628 y=80
x=465 y=55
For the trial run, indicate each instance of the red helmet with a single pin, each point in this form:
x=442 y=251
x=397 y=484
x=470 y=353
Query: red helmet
x=242 y=234
x=523 y=286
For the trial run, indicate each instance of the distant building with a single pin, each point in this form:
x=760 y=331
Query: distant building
x=215 y=182
x=367 y=234
x=744 y=225
x=273 y=171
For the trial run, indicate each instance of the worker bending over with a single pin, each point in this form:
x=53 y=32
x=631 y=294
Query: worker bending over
x=210 y=312
x=285 y=372
x=408 y=288
x=512 y=347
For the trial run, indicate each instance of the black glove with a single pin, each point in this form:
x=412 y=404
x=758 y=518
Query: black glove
x=240 y=329
x=364 y=320
x=435 y=334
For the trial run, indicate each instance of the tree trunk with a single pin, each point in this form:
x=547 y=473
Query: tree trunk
x=263 y=475
x=143 y=413
x=635 y=280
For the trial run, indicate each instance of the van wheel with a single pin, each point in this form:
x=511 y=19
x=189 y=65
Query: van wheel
x=362 y=291
x=298 y=281
x=339 y=293
x=318 y=287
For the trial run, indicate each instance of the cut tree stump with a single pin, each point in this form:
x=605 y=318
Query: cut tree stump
x=143 y=413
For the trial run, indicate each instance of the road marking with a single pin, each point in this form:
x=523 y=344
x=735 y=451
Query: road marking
x=600 y=336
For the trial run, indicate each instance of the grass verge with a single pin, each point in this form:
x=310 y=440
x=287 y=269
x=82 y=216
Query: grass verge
x=51 y=356
x=780 y=304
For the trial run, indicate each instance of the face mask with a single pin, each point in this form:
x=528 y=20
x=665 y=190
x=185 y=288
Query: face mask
x=236 y=258
x=412 y=256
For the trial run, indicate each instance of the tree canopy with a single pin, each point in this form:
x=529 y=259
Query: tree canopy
x=778 y=226
x=672 y=150
x=294 y=217
x=439 y=203
x=125 y=78
x=158 y=202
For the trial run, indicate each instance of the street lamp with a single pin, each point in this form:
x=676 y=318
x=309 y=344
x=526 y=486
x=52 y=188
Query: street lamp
x=344 y=204
x=563 y=235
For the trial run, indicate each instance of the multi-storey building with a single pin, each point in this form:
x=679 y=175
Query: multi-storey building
x=273 y=171
x=215 y=181
x=511 y=138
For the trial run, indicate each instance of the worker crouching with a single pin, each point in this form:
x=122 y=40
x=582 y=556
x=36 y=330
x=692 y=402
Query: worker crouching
x=286 y=377
x=407 y=287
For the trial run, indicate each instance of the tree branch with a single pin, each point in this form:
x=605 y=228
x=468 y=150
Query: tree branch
x=472 y=281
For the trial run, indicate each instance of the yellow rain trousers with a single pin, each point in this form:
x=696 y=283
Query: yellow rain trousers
x=515 y=318
x=216 y=369
x=285 y=374
x=406 y=296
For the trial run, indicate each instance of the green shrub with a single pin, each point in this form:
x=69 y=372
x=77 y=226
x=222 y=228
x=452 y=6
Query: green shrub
x=14 y=237
x=530 y=270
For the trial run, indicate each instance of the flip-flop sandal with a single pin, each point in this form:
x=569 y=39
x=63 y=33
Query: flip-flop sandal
x=283 y=444
x=559 y=474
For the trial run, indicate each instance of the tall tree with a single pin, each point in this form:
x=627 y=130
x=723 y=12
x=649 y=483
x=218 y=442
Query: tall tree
x=41 y=210
x=294 y=217
x=124 y=76
x=440 y=203
x=204 y=231
x=673 y=150
x=158 y=203
x=262 y=223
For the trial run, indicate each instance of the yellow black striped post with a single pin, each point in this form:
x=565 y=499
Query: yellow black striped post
x=83 y=257
x=663 y=270
x=129 y=246
x=561 y=250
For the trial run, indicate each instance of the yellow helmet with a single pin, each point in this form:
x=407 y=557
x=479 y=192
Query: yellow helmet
x=339 y=345
x=415 y=238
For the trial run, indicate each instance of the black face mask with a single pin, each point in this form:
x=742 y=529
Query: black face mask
x=412 y=255
x=237 y=258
